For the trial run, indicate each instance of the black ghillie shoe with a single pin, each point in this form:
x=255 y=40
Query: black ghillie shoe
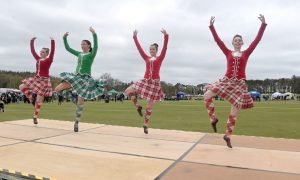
x=145 y=129
x=214 y=124
x=139 y=110
x=76 y=128
x=227 y=139
x=35 y=121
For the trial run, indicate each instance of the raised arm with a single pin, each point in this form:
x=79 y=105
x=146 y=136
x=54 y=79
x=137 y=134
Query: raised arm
x=52 y=49
x=72 y=51
x=219 y=42
x=140 y=49
x=95 y=39
x=35 y=55
x=258 y=37
x=165 y=46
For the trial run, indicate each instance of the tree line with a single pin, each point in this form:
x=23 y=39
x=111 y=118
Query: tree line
x=10 y=79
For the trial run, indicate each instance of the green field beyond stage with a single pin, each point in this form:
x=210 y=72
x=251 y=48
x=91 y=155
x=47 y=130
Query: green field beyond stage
x=270 y=119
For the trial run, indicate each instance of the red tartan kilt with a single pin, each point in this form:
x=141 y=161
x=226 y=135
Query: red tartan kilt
x=39 y=85
x=149 y=89
x=234 y=91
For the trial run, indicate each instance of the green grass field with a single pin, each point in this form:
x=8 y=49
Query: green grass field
x=270 y=119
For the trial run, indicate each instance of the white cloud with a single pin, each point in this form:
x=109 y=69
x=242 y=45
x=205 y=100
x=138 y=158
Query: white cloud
x=192 y=56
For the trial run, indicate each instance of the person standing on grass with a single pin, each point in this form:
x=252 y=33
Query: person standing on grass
x=81 y=81
x=148 y=88
x=232 y=87
x=1 y=105
x=40 y=84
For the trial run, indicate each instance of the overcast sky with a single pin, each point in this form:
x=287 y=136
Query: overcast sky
x=192 y=56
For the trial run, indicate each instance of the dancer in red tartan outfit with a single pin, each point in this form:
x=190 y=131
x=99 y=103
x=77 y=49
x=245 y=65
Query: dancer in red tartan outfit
x=232 y=87
x=40 y=83
x=148 y=88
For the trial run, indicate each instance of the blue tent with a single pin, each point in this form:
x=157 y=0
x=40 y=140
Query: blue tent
x=180 y=95
x=255 y=94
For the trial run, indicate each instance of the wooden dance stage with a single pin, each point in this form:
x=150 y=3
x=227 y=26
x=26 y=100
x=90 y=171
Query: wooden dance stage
x=52 y=150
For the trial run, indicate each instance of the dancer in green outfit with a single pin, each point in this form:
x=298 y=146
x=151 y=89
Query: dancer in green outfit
x=81 y=81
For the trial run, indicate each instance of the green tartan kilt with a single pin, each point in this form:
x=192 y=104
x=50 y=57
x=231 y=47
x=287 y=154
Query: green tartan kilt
x=84 y=85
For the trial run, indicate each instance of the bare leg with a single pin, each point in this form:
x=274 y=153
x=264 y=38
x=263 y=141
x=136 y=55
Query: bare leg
x=62 y=86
